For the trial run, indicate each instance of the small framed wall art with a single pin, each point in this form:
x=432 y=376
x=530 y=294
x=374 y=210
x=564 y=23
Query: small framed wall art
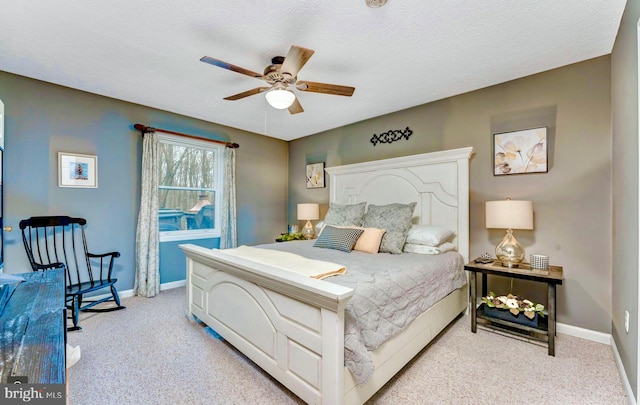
x=75 y=170
x=315 y=175
x=520 y=152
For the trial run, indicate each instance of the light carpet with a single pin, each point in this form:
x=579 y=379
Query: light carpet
x=151 y=353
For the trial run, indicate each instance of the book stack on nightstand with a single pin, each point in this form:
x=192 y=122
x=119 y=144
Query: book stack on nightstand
x=545 y=331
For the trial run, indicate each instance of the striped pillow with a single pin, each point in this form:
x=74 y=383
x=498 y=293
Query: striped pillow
x=343 y=239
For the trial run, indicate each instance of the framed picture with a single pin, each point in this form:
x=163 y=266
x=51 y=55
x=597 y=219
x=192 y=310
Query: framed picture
x=315 y=175
x=520 y=152
x=75 y=170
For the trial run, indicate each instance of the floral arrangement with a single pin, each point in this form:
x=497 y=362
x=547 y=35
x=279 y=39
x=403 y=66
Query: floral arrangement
x=285 y=237
x=515 y=304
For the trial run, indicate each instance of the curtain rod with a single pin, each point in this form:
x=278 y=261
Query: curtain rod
x=143 y=128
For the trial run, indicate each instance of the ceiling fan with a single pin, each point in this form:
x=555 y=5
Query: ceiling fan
x=282 y=75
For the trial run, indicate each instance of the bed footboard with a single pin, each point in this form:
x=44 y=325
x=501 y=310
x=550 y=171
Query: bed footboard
x=292 y=326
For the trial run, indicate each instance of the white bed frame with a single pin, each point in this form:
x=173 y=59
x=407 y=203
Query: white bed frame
x=293 y=326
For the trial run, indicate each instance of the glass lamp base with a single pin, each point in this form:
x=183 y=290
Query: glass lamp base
x=510 y=252
x=307 y=231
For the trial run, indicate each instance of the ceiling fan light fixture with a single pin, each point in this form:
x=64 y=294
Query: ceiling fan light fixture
x=375 y=3
x=279 y=97
x=282 y=75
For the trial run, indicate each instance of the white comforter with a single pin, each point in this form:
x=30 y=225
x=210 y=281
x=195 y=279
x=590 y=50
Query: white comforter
x=390 y=291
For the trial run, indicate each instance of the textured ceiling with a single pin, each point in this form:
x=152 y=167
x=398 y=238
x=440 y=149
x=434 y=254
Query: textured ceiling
x=406 y=53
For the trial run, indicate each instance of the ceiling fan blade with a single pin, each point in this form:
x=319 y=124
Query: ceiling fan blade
x=229 y=66
x=247 y=93
x=296 y=107
x=325 y=88
x=295 y=60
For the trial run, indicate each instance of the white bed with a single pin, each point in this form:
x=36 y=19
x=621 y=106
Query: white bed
x=292 y=326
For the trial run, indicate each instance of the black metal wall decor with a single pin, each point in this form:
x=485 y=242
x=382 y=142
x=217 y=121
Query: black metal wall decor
x=391 y=136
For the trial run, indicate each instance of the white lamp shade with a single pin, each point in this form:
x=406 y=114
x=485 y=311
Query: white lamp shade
x=509 y=214
x=308 y=212
x=280 y=99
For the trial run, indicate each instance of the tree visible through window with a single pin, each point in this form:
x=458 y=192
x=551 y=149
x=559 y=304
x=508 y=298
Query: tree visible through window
x=190 y=181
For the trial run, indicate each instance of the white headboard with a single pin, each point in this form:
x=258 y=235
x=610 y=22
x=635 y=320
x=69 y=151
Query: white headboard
x=438 y=182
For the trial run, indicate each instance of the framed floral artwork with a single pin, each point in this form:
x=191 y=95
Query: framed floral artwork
x=315 y=175
x=520 y=152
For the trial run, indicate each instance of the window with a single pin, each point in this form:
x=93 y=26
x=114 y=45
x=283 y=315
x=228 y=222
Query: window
x=189 y=188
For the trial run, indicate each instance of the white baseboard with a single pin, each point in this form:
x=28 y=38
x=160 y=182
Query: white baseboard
x=584 y=333
x=129 y=293
x=604 y=338
x=173 y=284
x=623 y=374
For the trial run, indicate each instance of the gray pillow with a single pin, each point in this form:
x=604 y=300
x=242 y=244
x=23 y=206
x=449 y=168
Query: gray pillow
x=395 y=219
x=338 y=238
x=345 y=215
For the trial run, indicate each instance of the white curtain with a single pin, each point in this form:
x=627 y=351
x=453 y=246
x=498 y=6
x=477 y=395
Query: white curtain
x=228 y=236
x=147 y=282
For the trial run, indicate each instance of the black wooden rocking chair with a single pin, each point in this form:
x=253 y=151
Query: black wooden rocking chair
x=59 y=242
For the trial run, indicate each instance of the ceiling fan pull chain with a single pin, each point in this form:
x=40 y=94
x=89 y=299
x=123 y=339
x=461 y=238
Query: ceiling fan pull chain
x=265 y=116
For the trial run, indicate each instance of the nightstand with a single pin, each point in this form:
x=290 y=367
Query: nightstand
x=546 y=329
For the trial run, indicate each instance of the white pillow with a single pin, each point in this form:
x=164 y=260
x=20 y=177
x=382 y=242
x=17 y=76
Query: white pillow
x=429 y=235
x=428 y=250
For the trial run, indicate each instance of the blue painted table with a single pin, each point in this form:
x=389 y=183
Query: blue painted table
x=33 y=329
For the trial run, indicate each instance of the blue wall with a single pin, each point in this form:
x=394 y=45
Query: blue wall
x=172 y=260
x=43 y=119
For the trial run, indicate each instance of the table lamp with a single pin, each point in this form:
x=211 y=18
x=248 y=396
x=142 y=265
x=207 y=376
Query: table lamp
x=308 y=212
x=509 y=214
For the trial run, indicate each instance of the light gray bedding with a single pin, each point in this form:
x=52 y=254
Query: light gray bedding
x=390 y=291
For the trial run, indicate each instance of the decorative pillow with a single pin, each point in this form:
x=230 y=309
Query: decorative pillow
x=428 y=250
x=345 y=215
x=396 y=219
x=338 y=238
x=369 y=241
x=429 y=235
